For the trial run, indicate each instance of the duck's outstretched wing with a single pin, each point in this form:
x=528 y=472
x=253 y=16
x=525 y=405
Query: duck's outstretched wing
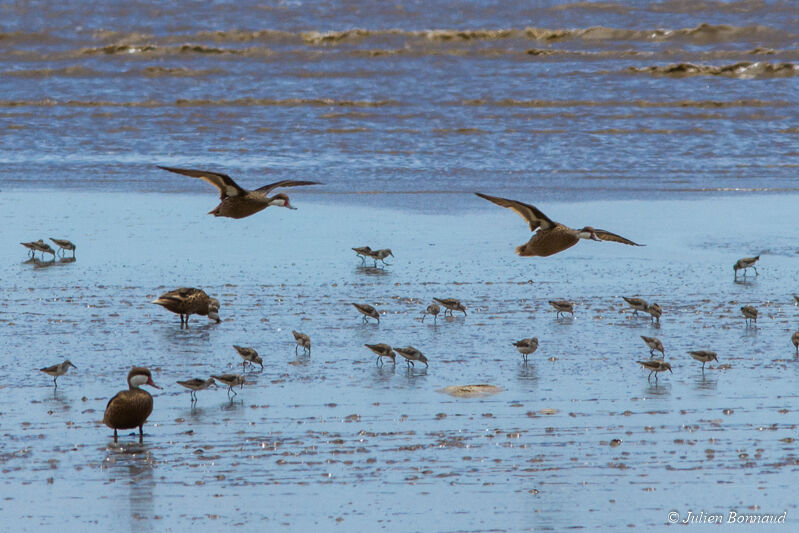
x=530 y=213
x=227 y=187
x=608 y=236
x=266 y=189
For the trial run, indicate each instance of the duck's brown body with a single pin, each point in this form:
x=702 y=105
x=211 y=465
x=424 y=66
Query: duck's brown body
x=189 y=301
x=238 y=202
x=130 y=408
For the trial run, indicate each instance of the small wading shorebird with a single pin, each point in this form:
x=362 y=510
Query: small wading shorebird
x=795 y=341
x=380 y=255
x=362 y=252
x=704 y=356
x=654 y=344
x=451 y=305
x=249 y=355
x=796 y=298
x=411 y=354
x=130 y=408
x=562 y=307
x=744 y=264
x=196 y=384
x=526 y=346
x=382 y=350
x=432 y=309
x=655 y=312
x=302 y=340
x=367 y=311
x=750 y=314
x=188 y=301
x=58 y=370
x=237 y=202
x=654 y=366
x=38 y=246
x=231 y=380
x=552 y=237
x=638 y=304
x=64 y=244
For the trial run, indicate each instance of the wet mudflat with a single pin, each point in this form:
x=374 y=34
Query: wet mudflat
x=333 y=440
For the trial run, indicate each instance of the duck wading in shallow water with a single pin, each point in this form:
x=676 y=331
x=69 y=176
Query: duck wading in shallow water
x=237 y=202
x=551 y=237
x=188 y=301
x=130 y=408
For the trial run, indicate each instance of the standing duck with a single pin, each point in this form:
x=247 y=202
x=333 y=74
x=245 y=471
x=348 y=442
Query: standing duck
x=189 y=301
x=130 y=408
x=552 y=237
x=237 y=202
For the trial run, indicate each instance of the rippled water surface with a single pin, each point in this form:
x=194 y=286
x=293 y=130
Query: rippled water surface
x=672 y=123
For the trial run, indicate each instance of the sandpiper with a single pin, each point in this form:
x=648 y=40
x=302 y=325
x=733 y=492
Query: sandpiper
x=188 y=301
x=526 y=346
x=655 y=311
x=367 y=311
x=38 y=246
x=362 y=252
x=750 y=314
x=130 y=408
x=249 y=356
x=744 y=264
x=196 y=384
x=58 y=370
x=411 y=354
x=237 y=202
x=795 y=341
x=562 y=307
x=64 y=244
x=302 y=340
x=31 y=246
x=638 y=304
x=231 y=380
x=451 y=305
x=380 y=255
x=654 y=366
x=382 y=350
x=704 y=356
x=551 y=237
x=432 y=309
x=654 y=344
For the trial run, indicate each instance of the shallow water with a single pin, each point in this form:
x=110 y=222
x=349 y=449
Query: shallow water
x=336 y=440
x=561 y=100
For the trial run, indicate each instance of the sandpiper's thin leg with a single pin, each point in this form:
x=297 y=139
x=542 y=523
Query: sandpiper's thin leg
x=296 y=346
x=424 y=315
x=141 y=434
x=756 y=274
x=649 y=378
x=55 y=382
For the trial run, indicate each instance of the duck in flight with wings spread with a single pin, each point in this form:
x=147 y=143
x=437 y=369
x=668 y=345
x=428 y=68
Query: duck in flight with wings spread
x=552 y=237
x=237 y=202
